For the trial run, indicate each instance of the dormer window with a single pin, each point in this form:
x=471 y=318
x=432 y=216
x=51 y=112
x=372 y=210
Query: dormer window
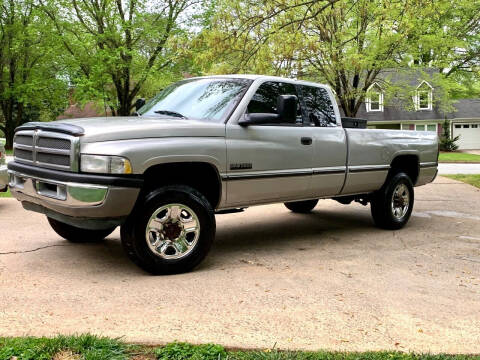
x=423 y=98
x=374 y=98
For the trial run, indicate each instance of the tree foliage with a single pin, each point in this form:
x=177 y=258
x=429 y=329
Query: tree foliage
x=114 y=51
x=30 y=88
x=115 y=47
x=345 y=43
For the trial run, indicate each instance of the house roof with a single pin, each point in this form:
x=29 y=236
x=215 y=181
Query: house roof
x=464 y=109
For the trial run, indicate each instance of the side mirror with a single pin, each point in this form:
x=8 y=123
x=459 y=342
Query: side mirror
x=286 y=113
x=139 y=103
x=287 y=108
x=259 y=119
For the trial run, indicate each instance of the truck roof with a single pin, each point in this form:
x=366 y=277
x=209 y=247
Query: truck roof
x=256 y=76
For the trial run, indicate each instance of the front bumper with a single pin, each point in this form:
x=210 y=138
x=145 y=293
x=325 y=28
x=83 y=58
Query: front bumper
x=3 y=177
x=73 y=197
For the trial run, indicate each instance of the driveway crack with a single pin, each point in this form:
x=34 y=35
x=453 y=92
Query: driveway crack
x=32 y=250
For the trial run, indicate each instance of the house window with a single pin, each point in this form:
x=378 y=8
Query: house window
x=423 y=98
x=426 y=127
x=458 y=126
x=405 y=126
x=374 y=99
x=466 y=126
x=474 y=126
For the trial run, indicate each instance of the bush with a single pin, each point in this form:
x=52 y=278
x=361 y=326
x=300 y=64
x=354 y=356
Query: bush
x=446 y=141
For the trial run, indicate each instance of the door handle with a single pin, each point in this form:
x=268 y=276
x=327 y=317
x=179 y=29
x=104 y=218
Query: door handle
x=306 y=141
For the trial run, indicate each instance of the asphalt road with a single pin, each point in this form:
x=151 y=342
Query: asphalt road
x=326 y=280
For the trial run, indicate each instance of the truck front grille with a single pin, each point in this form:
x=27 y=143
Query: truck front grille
x=23 y=154
x=45 y=149
x=24 y=140
x=52 y=143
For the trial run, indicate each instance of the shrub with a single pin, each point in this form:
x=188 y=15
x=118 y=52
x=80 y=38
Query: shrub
x=447 y=143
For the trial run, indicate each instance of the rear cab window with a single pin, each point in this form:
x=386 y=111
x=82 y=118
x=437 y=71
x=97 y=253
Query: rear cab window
x=317 y=106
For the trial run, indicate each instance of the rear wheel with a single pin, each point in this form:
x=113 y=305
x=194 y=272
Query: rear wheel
x=392 y=205
x=301 y=206
x=171 y=232
x=78 y=235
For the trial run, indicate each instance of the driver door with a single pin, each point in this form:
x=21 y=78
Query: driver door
x=268 y=163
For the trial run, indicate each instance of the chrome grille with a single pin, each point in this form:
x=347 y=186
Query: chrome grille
x=24 y=140
x=46 y=142
x=23 y=154
x=45 y=149
x=56 y=159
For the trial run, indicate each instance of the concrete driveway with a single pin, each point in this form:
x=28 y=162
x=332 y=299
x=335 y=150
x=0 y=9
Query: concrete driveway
x=327 y=280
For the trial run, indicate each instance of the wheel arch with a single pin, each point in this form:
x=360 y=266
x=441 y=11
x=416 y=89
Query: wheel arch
x=200 y=175
x=408 y=163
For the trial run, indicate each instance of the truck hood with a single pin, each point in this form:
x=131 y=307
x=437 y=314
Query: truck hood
x=135 y=127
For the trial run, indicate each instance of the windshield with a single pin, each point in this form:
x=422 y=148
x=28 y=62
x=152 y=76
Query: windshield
x=200 y=99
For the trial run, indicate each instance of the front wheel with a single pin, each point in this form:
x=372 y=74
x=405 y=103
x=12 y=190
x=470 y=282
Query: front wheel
x=78 y=235
x=171 y=232
x=392 y=205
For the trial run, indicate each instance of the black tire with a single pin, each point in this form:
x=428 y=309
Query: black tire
x=381 y=203
x=134 y=231
x=78 y=235
x=301 y=206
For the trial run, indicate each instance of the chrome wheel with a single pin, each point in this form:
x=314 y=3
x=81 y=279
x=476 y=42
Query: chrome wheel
x=400 y=201
x=172 y=231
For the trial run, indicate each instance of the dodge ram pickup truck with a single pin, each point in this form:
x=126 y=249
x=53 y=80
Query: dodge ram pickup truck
x=211 y=145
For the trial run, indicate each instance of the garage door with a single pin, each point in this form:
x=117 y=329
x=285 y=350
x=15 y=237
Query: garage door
x=469 y=135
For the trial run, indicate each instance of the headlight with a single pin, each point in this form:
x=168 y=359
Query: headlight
x=105 y=164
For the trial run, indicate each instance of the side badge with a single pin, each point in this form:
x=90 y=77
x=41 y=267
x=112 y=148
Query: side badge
x=241 y=166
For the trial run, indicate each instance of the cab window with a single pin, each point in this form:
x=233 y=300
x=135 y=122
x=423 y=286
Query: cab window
x=265 y=99
x=318 y=106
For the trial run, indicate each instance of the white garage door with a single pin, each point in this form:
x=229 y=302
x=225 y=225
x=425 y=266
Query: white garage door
x=469 y=135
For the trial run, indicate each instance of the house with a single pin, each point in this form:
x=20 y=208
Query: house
x=423 y=113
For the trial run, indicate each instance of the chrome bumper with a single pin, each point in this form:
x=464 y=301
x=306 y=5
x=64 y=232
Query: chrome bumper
x=3 y=177
x=73 y=199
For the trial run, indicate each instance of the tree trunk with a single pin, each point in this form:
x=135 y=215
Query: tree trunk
x=123 y=107
x=9 y=132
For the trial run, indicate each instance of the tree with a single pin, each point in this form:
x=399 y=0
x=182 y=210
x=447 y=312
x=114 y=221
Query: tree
x=115 y=47
x=30 y=88
x=447 y=36
x=251 y=35
x=345 y=43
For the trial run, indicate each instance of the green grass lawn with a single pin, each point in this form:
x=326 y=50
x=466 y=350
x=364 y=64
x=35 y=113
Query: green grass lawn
x=5 y=194
x=95 y=348
x=473 y=179
x=458 y=157
x=9 y=152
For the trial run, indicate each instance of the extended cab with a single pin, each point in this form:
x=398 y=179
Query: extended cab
x=211 y=145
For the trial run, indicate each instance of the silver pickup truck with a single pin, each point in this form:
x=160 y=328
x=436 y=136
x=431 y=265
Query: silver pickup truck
x=211 y=145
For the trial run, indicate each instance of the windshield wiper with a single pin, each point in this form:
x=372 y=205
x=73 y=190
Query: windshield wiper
x=170 y=113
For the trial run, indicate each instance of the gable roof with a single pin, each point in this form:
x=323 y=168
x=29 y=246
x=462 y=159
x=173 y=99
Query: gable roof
x=465 y=109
